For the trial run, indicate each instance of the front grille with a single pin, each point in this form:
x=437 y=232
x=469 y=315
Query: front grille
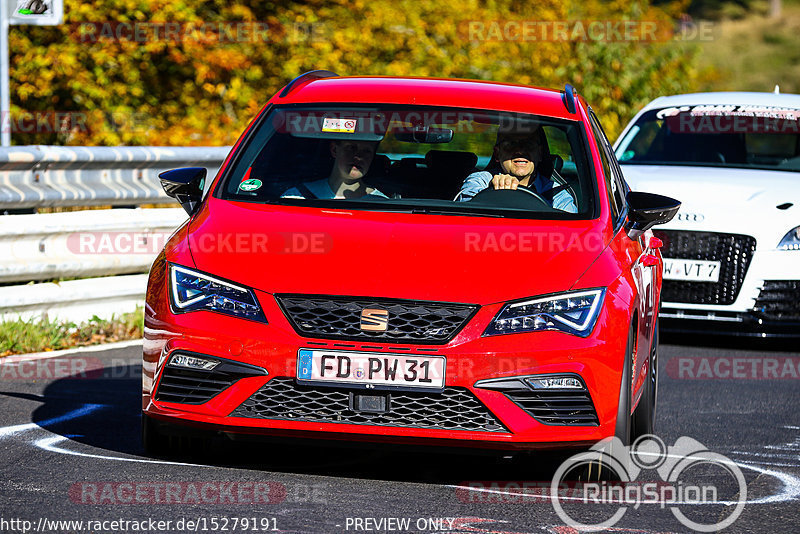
x=779 y=300
x=452 y=409
x=408 y=321
x=556 y=407
x=733 y=251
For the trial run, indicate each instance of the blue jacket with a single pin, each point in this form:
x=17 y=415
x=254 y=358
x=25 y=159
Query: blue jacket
x=321 y=189
x=478 y=181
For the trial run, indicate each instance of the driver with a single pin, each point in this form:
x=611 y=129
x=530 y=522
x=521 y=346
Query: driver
x=515 y=160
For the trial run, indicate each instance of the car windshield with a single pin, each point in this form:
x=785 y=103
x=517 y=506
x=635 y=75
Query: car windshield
x=720 y=136
x=415 y=158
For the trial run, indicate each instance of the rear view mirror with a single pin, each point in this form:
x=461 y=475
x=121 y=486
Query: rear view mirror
x=645 y=210
x=185 y=185
x=425 y=135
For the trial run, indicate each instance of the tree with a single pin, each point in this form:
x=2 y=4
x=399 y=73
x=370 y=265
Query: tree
x=202 y=83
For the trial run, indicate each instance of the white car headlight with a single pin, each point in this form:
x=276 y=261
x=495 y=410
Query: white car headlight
x=791 y=241
x=192 y=290
x=574 y=312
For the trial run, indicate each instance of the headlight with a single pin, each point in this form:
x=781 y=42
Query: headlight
x=790 y=241
x=574 y=312
x=192 y=291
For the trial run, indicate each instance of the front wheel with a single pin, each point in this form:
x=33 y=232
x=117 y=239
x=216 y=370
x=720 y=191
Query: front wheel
x=624 y=420
x=153 y=441
x=167 y=440
x=644 y=417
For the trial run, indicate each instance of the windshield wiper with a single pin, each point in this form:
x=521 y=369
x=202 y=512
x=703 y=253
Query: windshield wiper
x=439 y=211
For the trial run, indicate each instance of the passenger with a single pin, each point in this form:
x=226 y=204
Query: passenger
x=515 y=162
x=352 y=160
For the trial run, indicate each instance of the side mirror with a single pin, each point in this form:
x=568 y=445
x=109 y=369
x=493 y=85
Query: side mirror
x=645 y=210
x=185 y=185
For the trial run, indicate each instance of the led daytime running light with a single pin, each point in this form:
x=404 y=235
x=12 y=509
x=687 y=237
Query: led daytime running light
x=192 y=290
x=791 y=241
x=573 y=313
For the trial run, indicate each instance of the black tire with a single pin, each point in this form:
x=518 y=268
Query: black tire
x=597 y=471
x=154 y=442
x=167 y=440
x=644 y=417
x=624 y=419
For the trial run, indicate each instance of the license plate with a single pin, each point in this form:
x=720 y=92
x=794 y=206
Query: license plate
x=370 y=368
x=691 y=270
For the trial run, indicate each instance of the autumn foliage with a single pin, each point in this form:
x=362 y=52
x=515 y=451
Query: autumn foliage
x=156 y=72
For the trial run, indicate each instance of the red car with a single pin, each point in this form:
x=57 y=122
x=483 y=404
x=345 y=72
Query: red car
x=413 y=261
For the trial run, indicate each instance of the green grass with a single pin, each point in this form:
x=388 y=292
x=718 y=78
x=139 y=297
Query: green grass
x=754 y=53
x=20 y=337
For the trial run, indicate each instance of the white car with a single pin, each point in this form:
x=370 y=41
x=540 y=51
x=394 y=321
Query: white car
x=732 y=254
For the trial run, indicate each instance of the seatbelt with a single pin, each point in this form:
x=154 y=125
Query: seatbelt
x=305 y=191
x=553 y=191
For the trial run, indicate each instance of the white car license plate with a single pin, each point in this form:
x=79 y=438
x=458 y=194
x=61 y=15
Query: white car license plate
x=370 y=368
x=691 y=270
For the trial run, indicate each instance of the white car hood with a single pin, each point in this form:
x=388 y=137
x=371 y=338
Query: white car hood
x=739 y=201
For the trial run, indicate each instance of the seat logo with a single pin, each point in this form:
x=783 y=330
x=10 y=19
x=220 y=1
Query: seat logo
x=374 y=320
x=690 y=217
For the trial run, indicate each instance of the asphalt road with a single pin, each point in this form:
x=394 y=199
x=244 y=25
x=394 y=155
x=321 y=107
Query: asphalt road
x=70 y=451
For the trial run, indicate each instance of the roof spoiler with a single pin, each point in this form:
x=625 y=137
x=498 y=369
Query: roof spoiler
x=569 y=98
x=307 y=77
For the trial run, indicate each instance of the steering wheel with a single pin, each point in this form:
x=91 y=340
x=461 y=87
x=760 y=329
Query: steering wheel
x=521 y=197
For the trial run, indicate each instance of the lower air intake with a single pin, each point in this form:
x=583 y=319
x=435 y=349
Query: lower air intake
x=451 y=409
x=779 y=300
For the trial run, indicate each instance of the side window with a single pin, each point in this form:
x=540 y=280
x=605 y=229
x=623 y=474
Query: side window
x=613 y=186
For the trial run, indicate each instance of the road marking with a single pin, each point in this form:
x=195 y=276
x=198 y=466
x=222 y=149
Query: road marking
x=86 y=409
x=49 y=444
x=789 y=492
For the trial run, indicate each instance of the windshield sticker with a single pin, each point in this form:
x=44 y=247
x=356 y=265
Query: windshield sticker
x=716 y=119
x=339 y=125
x=250 y=185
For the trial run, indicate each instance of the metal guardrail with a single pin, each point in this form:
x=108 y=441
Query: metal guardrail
x=43 y=176
x=92 y=243
x=83 y=243
x=74 y=300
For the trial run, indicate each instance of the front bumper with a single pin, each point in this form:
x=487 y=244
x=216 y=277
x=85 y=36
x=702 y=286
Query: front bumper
x=758 y=293
x=726 y=323
x=470 y=358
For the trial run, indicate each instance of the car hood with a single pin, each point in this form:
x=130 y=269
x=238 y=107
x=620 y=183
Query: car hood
x=742 y=201
x=481 y=260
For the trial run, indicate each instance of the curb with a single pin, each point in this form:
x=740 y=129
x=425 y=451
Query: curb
x=66 y=352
